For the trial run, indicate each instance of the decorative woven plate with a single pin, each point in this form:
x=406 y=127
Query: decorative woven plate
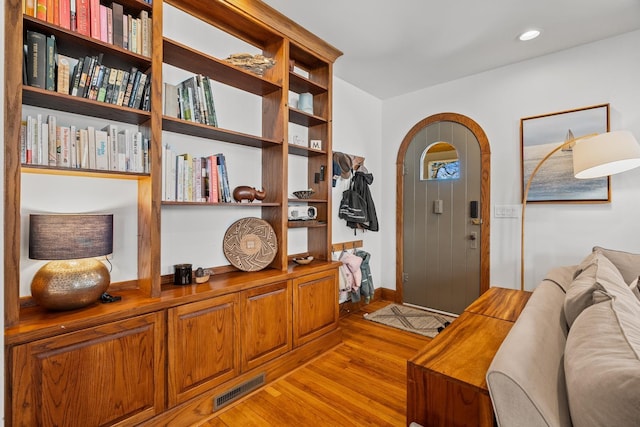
x=250 y=244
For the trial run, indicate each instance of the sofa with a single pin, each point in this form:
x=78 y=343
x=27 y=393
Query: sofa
x=572 y=358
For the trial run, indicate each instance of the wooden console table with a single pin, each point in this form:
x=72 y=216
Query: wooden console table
x=446 y=383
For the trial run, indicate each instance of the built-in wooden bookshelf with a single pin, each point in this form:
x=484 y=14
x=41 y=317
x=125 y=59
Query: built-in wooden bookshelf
x=150 y=314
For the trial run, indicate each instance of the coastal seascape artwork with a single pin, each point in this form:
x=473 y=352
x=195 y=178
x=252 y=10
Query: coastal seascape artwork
x=555 y=182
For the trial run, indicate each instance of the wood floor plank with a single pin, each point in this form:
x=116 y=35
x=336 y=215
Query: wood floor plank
x=359 y=383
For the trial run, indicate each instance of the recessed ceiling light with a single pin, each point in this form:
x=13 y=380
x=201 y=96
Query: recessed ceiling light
x=529 y=35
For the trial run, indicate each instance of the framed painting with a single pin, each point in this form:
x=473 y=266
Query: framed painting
x=554 y=182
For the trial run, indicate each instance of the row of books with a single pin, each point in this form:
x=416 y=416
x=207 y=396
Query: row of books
x=85 y=77
x=109 y=24
x=46 y=142
x=191 y=100
x=188 y=178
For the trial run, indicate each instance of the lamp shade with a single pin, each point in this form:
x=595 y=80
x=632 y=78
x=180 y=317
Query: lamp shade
x=60 y=237
x=605 y=154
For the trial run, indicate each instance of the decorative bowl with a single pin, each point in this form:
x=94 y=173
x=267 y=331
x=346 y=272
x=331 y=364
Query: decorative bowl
x=303 y=194
x=303 y=260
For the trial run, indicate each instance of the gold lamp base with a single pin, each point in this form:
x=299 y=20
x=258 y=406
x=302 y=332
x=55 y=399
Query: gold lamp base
x=70 y=284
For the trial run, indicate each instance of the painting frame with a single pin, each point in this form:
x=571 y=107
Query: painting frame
x=554 y=182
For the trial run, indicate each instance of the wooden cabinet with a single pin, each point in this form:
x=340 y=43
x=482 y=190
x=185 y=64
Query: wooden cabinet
x=105 y=375
x=266 y=323
x=315 y=311
x=203 y=346
x=446 y=381
x=105 y=364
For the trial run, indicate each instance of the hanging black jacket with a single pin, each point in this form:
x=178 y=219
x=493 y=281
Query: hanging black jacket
x=357 y=206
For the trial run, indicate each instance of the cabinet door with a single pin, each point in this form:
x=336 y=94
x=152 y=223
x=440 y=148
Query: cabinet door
x=266 y=323
x=315 y=305
x=106 y=375
x=203 y=346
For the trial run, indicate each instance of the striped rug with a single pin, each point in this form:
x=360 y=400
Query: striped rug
x=423 y=322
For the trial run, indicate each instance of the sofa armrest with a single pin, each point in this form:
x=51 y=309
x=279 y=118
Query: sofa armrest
x=526 y=377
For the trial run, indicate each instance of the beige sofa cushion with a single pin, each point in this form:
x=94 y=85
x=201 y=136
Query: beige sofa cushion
x=626 y=262
x=595 y=268
x=602 y=361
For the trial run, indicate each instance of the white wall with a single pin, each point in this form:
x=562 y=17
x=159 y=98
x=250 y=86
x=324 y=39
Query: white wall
x=357 y=130
x=601 y=72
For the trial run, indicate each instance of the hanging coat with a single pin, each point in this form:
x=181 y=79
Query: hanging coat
x=366 y=284
x=357 y=206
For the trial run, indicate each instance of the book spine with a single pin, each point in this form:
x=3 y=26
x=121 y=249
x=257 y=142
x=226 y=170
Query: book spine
x=94 y=19
x=83 y=18
x=50 y=11
x=23 y=141
x=62 y=85
x=73 y=139
x=36 y=59
x=65 y=148
x=91 y=138
x=139 y=91
x=56 y=12
x=109 y=25
x=103 y=23
x=102 y=154
x=52 y=141
x=50 y=81
x=30 y=8
x=126 y=31
x=65 y=14
x=73 y=15
x=77 y=73
x=145 y=37
x=41 y=9
x=117 y=14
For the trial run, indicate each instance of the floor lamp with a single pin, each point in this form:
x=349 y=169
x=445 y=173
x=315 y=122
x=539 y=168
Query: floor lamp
x=594 y=156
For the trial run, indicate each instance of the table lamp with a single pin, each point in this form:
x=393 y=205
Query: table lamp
x=594 y=156
x=73 y=278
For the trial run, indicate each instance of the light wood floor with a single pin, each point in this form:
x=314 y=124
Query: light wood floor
x=362 y=382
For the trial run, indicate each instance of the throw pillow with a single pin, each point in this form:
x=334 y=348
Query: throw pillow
x=602 y=364
x=594 y=270
x=627 y=262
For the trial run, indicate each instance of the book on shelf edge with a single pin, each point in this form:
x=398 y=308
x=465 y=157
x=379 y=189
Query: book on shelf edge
x=36 y=59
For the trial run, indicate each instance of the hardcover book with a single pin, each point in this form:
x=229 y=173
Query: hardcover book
x=36 y=59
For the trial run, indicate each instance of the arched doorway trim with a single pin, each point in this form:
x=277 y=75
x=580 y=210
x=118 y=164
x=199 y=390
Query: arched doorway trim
x=485 y=208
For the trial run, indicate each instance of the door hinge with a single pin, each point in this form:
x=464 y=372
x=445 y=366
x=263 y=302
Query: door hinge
x=405 y=277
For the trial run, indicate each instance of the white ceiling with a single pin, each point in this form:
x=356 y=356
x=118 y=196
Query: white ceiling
x=396 y=47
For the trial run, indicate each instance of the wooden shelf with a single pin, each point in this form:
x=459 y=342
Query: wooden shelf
x=300 y=150
x=200 y=130
x=72 y=104
x=184 y=57
x=306 y=224
x=301 y=84
x=241 y=205
x=302 y=118
x=95 y=173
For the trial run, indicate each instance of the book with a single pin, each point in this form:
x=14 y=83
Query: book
x=170 y=95
x=52 y=140
x=30 y=8
x=77 y=73
x=94 y=19
x=56 y=12
x=103 y=24
x=145 y=33
x=87 y=66
x=83 y=149
x=102 y=154
x=73 y=15
x=50 y=11
x=112 y=145
x=41 y=9
x=139 y=91
x=116 y=87
x=212 y=164
x=180 y=178
x=36 y=59
x=127 y=94
x=122 y=143
x=211 y=109
x=91 y=146
x=83 y=18
x=64 y=156
x=65 y=13
x=109 y=25
x=50 y=80
x=126 y=31
x=65 y=67
x=224 y=179
x=23 y=141
x=146 y=96
x=111 y=83
x=133 y=36
x=117 y=14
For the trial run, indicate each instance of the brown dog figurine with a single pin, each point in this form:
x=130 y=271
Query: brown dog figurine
x=244 y=192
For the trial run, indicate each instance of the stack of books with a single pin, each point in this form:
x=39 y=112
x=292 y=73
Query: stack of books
x=109 y=24
x=48 y=143
x=188 y=178
x=191 y=100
